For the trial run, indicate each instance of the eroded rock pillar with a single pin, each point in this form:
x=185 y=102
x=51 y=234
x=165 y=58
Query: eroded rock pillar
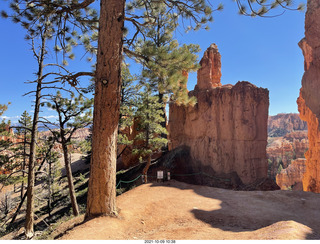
x=309 y=99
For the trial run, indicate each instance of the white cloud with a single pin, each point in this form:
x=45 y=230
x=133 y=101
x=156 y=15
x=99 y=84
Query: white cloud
x=50 y=117
x=12 y=118
x=50 y=109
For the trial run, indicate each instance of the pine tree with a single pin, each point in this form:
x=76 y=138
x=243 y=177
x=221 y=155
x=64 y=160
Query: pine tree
x=73 y=113
x=4 y=133
x=149 y=116
x=166 y=64
x=129 y=90
x=280 y=168
x=24 y=132
x=53 y=170
x=62 y=22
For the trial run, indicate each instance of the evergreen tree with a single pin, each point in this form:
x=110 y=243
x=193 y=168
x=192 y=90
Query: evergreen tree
x=63 y=22
x=280 y=168
x=24 y=133
x=3 y=108
x=52 y=170
x=166 y=64
x=73 y=113
x=149 y=116
x=129 y=90
x=4 y=143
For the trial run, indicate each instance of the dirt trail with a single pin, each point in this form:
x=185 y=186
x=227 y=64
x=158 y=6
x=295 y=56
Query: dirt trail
x=176 y=210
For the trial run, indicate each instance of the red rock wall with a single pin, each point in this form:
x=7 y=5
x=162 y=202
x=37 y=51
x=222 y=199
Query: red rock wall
x=309 y=99
x=226 y=130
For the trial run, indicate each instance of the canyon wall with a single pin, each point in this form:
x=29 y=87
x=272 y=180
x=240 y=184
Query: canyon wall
x=226 y=131
x=309 y=99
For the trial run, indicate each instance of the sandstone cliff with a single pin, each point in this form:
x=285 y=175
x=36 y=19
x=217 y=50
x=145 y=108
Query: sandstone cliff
x=226 y=130
x=309 y=100
x=291 y=177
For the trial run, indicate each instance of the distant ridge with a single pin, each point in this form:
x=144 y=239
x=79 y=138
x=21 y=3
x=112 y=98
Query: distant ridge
x=283 y=123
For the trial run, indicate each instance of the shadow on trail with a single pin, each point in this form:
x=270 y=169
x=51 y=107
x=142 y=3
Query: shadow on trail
x=252 y=210
x=240 y=210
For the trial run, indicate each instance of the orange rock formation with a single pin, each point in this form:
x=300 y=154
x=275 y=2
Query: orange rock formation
x=285 y=149
x=226 y=130
x=292 y=176
x=209 y=74
x=309 y=101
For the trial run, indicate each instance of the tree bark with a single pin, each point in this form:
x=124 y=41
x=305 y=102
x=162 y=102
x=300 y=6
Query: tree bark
x=164 y=116
x=49 y=187
x=23 y=163
x=102 y=184
x=72 y=192
x=146 y=168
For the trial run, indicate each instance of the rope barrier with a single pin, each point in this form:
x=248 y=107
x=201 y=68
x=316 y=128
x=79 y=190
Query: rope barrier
x=199 y=173
x=187 y=174
x=122 y=181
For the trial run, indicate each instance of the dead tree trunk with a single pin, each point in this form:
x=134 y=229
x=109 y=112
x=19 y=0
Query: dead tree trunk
x=23 y=163
x=49 y=187
x=29 y=232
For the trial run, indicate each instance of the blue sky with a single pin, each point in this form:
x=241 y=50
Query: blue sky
x=263 y=51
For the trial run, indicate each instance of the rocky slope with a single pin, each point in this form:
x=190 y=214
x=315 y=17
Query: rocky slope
x=226 y=130
x=282 y=124
x=79 y=135
x=309 y=100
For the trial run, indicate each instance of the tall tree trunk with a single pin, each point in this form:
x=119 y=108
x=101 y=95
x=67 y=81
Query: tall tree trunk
x=49 y=187
x=72 y=192
x=164 y=115
x=102 y=184
x=146 y=168
x=23 y=164
x=32 y=158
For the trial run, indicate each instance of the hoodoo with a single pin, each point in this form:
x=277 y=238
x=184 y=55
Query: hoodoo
x=226 y=131
x=309 y=100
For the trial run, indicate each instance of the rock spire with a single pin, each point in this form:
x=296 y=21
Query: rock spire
x=209 y=75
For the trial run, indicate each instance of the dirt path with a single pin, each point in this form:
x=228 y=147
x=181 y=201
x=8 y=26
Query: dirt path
x=175 y=210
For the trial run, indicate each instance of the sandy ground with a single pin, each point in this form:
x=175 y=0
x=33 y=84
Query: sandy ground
x=179 y=211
